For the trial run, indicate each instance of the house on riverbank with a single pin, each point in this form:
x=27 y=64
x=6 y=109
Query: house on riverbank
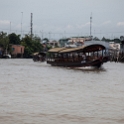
x=17 y=51
x=75 y=40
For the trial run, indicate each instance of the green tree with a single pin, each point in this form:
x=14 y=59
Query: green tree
x=105 y=39
x=4 y=42
x=96 y=39
x=36 y=38
x=31 y=45
x=117 y=40
x=46 y=39
x=14 y=39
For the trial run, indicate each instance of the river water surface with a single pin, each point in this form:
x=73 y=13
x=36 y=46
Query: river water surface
x=37 y=93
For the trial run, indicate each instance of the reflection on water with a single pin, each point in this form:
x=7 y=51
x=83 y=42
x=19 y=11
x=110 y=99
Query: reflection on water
x=88 y=69
x=37 y=93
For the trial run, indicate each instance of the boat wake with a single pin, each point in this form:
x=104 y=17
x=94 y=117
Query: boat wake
x=87 y=69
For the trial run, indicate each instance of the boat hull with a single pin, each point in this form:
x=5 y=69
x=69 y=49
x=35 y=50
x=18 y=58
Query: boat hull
x=96 y=63
x=92 y=55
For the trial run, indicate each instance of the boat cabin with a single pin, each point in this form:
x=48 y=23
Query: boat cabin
x=92 y=55
x=39 y=56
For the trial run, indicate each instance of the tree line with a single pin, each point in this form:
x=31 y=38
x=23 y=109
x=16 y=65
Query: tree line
x=116 y=40
x=31 y=44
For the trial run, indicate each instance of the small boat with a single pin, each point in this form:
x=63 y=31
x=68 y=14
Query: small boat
x=39 y=56
x=6 y=56
x=92 y=55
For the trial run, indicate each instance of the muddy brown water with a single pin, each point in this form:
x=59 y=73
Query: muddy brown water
x=37 y=93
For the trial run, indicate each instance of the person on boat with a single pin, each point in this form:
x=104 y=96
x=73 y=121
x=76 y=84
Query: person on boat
x=84 y=56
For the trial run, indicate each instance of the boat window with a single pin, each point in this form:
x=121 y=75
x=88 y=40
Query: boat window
x=59 y=55
x=75 y=54
x=56 y=55
x=87 y=54
x=64 y=55
x=70 y=55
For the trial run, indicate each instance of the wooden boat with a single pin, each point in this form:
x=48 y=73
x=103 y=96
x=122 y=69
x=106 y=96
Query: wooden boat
x=39 y=56
x=92 y=55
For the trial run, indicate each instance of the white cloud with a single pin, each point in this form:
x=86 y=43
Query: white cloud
x=69 y=27
x=4 y=22
x=86 y=24
x=79 y=26
x=18 y=26
x=120 y=24
x=106 y=22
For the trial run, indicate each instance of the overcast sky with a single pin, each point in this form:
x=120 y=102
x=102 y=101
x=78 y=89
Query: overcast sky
x=63 y=18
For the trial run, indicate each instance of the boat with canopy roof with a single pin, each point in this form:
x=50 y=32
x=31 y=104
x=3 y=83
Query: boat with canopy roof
x=92 y=55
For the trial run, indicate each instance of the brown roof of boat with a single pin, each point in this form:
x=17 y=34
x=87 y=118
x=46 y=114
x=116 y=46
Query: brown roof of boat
x=36 y=53
x=54 y=50
x=90 y=48
x=72 y=49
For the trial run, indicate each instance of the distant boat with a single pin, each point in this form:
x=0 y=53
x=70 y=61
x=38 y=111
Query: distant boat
x=39 y=56
x=6 y=56
x=92 y=55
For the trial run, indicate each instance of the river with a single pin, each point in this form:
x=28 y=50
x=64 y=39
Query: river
x=37 y=93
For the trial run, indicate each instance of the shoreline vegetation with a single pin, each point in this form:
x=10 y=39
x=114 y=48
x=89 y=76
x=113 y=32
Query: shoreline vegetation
x=32 y=44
